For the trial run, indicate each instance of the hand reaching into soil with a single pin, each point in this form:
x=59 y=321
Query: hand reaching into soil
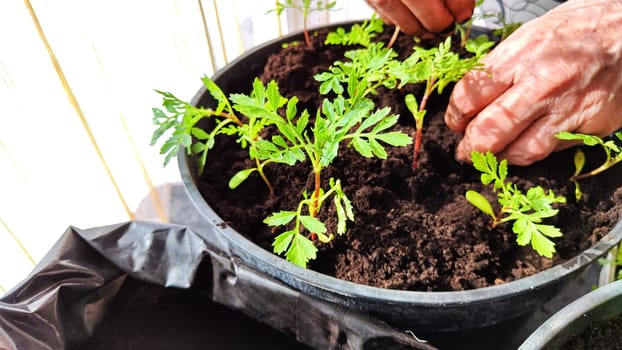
x=421 y=17
x=559 y=72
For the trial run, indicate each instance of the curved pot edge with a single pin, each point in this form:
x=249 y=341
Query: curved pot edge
x=601 y=304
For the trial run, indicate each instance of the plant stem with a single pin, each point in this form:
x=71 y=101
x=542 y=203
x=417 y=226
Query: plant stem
x=606 y=165
x=306 y=32
x=315 y=199
x=264 y=177
x=396 y=32
x=419 y=126
x=467 y=34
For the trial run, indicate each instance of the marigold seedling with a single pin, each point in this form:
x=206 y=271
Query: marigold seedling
x=526 y=210
x=306 y=7
x=350 y=116
x=359 y=34
x=436 y=68
x=613 y=155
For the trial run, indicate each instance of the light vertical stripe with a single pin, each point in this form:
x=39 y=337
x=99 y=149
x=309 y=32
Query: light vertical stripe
x=74 y=103
x=212 y=56
x=153 y=193
x=220 y=33
x=18 y=242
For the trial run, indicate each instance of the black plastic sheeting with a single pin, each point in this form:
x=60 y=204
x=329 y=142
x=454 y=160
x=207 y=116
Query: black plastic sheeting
x=141 y=285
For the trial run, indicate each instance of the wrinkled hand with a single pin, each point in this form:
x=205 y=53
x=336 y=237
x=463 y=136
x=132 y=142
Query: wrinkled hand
x=417 y=17
x=562 y=71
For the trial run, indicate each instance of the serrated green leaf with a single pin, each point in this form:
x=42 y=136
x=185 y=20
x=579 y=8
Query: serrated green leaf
x=487 y=179
x=362 y=147
x=301 y=251
x=216 y=93
x=282 y=241
x=503 y=170
x=524 y=230
x=549 y=230
x=329 y=152
x=479 y=162
x=385 y=123
x=302 y=122
x=292 y=108
x=240 y=177
x=158 y=114
x=374 y=118
x=274 y=98
x=543 y=245
x=280 y=218
x=395 y=138
x=312 y=224
x=377 y=149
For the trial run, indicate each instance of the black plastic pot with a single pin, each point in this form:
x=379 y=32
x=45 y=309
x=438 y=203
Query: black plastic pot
x=422 y=312
x=603 y=304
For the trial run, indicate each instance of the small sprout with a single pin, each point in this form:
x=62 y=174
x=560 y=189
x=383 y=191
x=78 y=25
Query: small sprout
x=359 y=34
x=436 y=68
x=526 y=210
x=613 y=155
x=306 y=8
x=613 y=152
x=182 y=118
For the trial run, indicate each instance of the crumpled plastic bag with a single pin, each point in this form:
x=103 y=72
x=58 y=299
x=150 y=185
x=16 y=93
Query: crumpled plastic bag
x=61 y=304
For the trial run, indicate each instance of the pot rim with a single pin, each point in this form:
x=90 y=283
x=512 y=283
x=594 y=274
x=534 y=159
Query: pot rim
x=576 y=317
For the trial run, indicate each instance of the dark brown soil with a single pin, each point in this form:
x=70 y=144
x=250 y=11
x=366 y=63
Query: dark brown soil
x=604 y=335
x=414 y=230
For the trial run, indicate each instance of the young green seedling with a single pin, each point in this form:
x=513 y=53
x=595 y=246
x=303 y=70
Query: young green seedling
x=613 y=155
x=613 y=152
x=526 y=210
x=345 y=118
x=181 y=119
x=339 y=120
x=436 y=68
x=359 y=34
x=305 y=8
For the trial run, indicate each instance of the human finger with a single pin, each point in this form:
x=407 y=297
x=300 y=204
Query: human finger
x=432 y=14
x=503 y=120
x=470 y=95
x=461 y=10
x=537 y=141
x=397 y=13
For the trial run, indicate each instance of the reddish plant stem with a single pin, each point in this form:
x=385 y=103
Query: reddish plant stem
x=307 y=38
x=416 y=149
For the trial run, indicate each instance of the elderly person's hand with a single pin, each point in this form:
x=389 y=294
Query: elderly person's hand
x=418 y=17
x=561 y=71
